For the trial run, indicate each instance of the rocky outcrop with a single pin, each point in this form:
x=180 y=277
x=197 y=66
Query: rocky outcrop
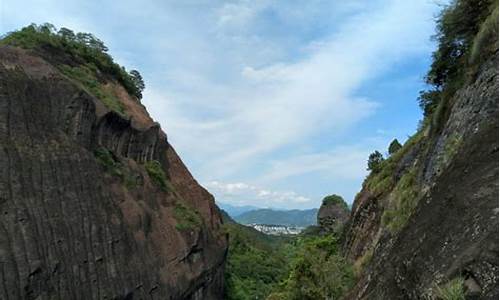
x=332 y=215
x=82 y=216
x=434 y=216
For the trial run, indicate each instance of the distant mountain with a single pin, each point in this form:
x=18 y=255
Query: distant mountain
x=293 y=217
x=234 y=211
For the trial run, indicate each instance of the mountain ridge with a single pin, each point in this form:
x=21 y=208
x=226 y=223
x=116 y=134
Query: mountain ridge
x=294 y=217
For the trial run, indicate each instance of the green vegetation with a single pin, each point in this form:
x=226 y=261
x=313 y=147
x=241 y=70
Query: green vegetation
x=335 y=200
x=187 y=218
x=383 y=181
x=156 y=173
x=394 y=147
x=483 y=43
x=80 y=56
x=361 y=263
x=375 y=161
x=453 y=290
x=451 y=146
x=404 y=202
x=318 y=271
x=256 y=263
x=268 y=267
x=114 y=167
x=109 y=161
x=467 y=32
x=84 y=75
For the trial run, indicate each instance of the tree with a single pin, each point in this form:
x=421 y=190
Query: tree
x=89 y=40
x=375 y=161
x=47 y=28
x=67 y=34
x=428 y=101
x=97 y=44
x=394 y=146
x=457 y=26
x=335 y=200
x=138 y=81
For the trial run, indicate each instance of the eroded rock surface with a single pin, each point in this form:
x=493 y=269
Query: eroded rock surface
x=451 y=176
x=332 y=216
x=73 y=228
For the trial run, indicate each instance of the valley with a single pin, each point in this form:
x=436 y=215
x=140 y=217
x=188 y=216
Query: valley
x=96 y=203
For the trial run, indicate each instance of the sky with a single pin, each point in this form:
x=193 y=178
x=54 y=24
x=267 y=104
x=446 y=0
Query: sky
x=269 y=103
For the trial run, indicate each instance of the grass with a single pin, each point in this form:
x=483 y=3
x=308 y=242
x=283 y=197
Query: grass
x=106 y=159
x=451 y=147
x=361 y=263
x=382 y=182
x=85 y=75
x=453 y=290
x=156 y=173
x=186 y=217
x=487 y=32
x=114 y=167
x=404 y=202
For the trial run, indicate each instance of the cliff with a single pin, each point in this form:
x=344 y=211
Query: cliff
x=428 y=218
x=332 y=214
x=95 y=202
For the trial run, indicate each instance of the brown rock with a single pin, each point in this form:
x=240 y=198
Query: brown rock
x=73 y=228
x=333 y=213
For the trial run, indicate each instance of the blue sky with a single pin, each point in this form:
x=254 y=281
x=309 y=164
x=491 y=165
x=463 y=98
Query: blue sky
x=269 y=103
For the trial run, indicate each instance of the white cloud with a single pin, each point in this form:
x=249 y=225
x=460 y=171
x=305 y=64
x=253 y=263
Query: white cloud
x=240 y=193
x=264 y=109
x=348 y=163
x=236 y=84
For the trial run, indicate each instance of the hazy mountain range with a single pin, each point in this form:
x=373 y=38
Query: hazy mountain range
x=293 y=217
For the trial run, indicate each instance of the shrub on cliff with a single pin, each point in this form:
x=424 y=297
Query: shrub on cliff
x=187 y=218
x=452 y=290
x=335 y=200
x=156 y=173
x=394 y=147
x=467 y=32
x=83 y=48
x=375 y=161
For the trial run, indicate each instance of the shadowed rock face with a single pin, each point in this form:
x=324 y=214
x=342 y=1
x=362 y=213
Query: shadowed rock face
x=72 y=229
x=453 y=231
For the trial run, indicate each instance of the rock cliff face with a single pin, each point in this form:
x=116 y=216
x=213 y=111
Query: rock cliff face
x=432 y=214
x=332 y=216
x=85 y=213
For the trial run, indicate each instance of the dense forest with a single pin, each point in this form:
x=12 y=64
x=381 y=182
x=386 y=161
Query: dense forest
x=309 y=266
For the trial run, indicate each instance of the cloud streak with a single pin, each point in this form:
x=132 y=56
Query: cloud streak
x=258 y=92
x=240 y=193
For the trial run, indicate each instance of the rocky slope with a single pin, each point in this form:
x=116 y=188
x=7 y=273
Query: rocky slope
x=431 y=214
x=332 y=214
x=95 y=204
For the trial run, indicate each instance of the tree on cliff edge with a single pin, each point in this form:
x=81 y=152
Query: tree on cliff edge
x=375 y=161
x=394 y=146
